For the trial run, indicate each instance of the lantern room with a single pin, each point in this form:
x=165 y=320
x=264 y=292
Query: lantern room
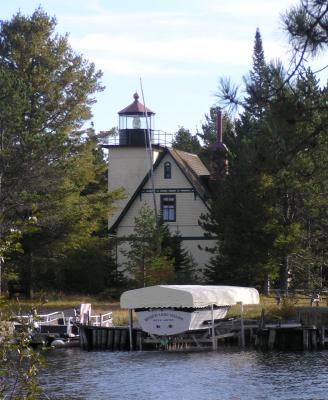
x=133 y=123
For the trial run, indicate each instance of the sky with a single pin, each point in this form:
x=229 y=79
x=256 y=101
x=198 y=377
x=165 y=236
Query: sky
x=179 y=48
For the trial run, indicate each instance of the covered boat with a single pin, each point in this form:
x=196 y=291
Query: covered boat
x=173 y=309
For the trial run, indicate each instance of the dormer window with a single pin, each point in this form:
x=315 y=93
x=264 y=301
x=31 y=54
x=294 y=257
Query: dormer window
x=167 y=170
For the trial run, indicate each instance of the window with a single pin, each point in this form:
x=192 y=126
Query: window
x=168 y=208
x=167 y=170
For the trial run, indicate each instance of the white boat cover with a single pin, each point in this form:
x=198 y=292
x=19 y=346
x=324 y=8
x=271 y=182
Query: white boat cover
x=190 y=296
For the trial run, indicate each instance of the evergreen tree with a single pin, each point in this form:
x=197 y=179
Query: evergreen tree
x=294 y=163
x=182 y=261
x=307 y=26
x=257 y=83
x=147 y=261
x=265 y=213
x=49 y=87
x=185 y=141
x=50 y=173
x=156 y=256
x=75 y=225
x=238 y=216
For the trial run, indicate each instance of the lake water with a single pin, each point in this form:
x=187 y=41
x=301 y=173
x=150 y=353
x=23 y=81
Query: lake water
x=228 y=374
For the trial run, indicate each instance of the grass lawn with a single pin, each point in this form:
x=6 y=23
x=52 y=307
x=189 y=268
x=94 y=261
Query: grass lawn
x=287 y=308
x=51 y=303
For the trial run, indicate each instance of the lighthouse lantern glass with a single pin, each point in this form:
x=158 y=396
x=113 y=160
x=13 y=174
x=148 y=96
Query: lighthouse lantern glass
x=135 y=122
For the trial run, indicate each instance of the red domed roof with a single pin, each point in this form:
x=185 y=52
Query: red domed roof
x=136 y=107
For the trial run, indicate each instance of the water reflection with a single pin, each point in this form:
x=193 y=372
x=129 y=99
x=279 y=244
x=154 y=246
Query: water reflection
x=228 y=374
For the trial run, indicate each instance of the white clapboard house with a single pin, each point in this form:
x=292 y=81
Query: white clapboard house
x=179 y=182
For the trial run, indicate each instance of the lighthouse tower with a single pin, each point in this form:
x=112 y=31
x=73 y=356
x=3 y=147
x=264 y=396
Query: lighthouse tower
x=128 y=160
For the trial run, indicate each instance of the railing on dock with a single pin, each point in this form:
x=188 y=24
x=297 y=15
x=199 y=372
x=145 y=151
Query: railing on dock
x=42 y=319
x=102 y=319
x=52 y=317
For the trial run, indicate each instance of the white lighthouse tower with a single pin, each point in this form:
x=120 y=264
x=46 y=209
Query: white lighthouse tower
x=128 y=159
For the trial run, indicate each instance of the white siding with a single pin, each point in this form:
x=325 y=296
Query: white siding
x=189 y=207
x=127 y=168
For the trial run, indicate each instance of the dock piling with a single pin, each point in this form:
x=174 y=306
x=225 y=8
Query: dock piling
x=272 y=338
x=242 y=326
x=305 y=339
x=214 y=340
x=130 y=329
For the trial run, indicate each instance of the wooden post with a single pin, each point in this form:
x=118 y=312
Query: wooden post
x=123 y=339
x=323 y=336
x=262 y=320
x=110 y=339
x=117 y=338
x=314 y=339
x=214 y=341
x=242 y=328
x=83 y=341
x=272 y=338
x=139 y=340
x=103 y=339
x=130 y=329
x=94 y=339
x=305 y=339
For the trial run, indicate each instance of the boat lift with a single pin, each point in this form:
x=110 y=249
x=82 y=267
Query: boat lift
x=169 y=310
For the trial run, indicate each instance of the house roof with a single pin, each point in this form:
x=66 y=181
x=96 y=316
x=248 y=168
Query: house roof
x=192 y=162
x=189 y=164
x=193 y=168
x=136 y=108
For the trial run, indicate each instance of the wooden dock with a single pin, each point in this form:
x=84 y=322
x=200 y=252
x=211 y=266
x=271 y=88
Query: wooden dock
x=107 y=338
x=308 y=332
x=118 y=338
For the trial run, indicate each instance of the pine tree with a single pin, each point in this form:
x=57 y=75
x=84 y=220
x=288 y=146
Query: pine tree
x=50 y=173
x=185 y=141
x=148 y=262
x=267 y=214
x=307 y=26
x=270 y=213
x=257 y=83
x=182 y=261
x=50 y=99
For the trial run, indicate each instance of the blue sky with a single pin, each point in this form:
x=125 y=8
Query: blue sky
x=180 y=49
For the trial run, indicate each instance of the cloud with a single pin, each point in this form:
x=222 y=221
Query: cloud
x=127 y=50
x=249 y=8
x=207 y=35
x=133 y=68
x=133 y=20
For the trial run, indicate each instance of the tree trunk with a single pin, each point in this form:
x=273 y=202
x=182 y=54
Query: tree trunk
x=284 y=274
x=267 y=286
x=27 y=275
